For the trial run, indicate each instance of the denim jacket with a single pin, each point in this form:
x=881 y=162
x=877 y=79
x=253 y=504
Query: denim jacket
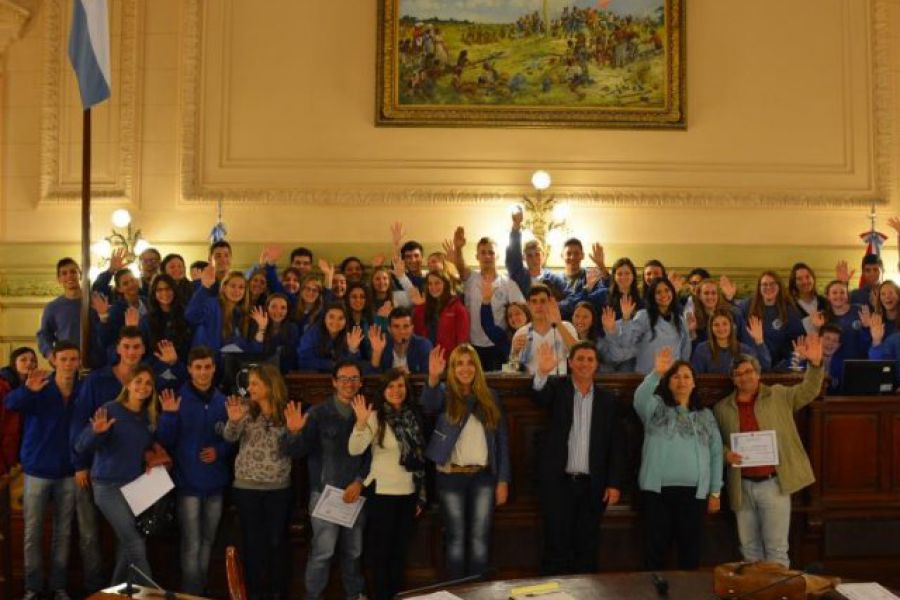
x=443 y=440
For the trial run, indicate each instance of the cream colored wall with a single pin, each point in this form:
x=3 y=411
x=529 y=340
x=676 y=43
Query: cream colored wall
x=793 y=111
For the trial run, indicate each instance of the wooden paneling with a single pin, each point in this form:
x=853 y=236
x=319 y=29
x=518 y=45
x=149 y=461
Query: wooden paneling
x=851 y=452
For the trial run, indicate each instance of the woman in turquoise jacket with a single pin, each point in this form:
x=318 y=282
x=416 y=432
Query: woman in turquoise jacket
x=681 y=462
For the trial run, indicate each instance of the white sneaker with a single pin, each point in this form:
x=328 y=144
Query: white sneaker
x=31 y=595
x=61 y=595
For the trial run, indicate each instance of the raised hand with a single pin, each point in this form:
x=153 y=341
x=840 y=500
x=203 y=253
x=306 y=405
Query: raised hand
x=436 y=362
x=208 y=276
x=676 y=280
x=865 y=315
x=260 y=317
x=894 y=222
x=362 y=409
x=663 y=360
x=168 y=400
x=814 y=349
x=385 y=309
x=547 y=360
x=755 y=329
x=553 y=313
x=627 y=304
x=519 y=342
x=449 y=248
x=399 y=268
x=817 y=319
x=691 y=320
x=117 y=260
x=842 y=271
x=517 y=217
x=132 y=317
x=377 y=339
x=100 y=423
x=397 y=234
x=37 y=380
x=377 y=260
x=326 y=267
x=597 y=255
x=459 y=238
x=271 y=254
x=236 y=409
x=354 y=338
x=608 y=320
x=876 y=328
x=415 y=296
x=729 y=290
x=593 y=276
x=294 y=419
x=99 y=303
x=165 y=352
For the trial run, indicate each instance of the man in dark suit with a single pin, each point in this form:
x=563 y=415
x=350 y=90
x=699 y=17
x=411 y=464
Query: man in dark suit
x=581 y=465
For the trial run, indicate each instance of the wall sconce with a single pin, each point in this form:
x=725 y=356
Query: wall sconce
x=130 y=239
x=544 y=217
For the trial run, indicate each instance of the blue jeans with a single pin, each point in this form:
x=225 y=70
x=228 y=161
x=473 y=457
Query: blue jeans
x=131 y=548
x=467 y=506
x=199 y=519
x=764 y=521
x=327 y=536
x=89 y=540
x=38 y=493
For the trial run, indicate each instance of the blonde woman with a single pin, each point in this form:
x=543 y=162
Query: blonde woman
x=220 y=320
x=471 y=450
x=118 y=435
x=262 y=478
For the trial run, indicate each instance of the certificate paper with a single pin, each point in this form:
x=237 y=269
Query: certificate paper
x=147 y=489
x=757 y=448
x=332 y=508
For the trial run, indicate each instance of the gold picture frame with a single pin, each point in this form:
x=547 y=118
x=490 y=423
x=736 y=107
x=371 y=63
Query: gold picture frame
x=566 y=63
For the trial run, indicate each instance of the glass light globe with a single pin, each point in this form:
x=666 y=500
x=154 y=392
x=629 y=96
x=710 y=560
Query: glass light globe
x=94 y=273
x=540 y=180
x=102 y=248
x=515 y=208
x=121 y=217
x=135 y=269
x=560 y=212
x=555 y=238
x=140 y=246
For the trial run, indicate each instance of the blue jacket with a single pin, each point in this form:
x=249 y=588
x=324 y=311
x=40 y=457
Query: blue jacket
x=45 y=442
x=498 y=336
x=661 y=426
x=635 y=339
x=702 y=360
x=308 y=353
x=445 y=435
x=779 y=336
x=284 y=342
x=888 y=349
x=119 y=451
x=416 y=355
x=517 y=271
x=324 y=442
x=204 y=313
x=100 y=387
x=198 y=424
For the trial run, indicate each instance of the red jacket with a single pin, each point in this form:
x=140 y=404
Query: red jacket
x=452 y=326
x=10 y=431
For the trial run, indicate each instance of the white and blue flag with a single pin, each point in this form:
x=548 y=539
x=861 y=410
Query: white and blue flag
x=89 y=50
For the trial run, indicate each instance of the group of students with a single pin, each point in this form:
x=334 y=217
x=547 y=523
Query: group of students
x=159 y=343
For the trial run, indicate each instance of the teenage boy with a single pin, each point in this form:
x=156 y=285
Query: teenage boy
x=546 y=327
x=190 y=429
x=323 y=440
x=401 y=348
x=533 y=270
x=61 y=318
x=46 y=401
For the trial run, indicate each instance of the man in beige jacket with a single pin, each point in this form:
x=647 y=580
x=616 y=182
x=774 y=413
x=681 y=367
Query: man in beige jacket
x=760 y=496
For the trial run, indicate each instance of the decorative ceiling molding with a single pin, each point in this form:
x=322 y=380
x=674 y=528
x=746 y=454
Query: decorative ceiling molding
x=125 y=102
x=882 y=128
x=13 y=18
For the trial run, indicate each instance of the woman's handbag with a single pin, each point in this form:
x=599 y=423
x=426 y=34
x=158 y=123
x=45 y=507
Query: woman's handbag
x=768 y=581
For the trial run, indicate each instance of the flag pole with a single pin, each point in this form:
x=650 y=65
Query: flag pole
x=85 y=236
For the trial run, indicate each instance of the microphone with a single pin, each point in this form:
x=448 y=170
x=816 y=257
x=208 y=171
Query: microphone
x=660 y=583
x=448 y=583
x=166 y=594
x=811 y=569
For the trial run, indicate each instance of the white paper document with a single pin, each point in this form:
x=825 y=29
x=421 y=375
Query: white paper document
x=757 y=448
x=865 y=591
x=147 y=489
x=332 y=508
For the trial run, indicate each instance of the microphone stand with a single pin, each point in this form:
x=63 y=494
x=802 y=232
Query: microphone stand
x=168 y=595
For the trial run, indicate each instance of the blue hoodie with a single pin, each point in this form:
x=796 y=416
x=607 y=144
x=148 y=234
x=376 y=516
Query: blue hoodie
x=198 y=424
x=45 y=443
x=119 y=451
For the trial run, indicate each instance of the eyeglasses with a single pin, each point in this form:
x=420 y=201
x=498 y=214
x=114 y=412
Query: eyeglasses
x=768 y=284
x=348 y=379
x=311 y=288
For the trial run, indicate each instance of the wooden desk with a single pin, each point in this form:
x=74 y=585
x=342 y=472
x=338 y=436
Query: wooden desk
x=112 y=593
x=683 y=585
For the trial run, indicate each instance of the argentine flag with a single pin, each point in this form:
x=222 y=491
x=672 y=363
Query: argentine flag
x=89 y=50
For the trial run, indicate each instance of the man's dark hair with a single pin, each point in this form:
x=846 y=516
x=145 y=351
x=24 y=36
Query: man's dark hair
x=199 y=264
x=349 y=260
x=63 y=345
x=219 y=244
x=65 y=262
x=344 y=363
x=399 y=312
x=540 y=288
x=830 y=328
x=129 y=331
x=301 y=251
x=120 y=274
x=583 y=345
x=410 y=246
x=153 y=250
x=872 y=259
x=199 y=353
x=573 y=242
x=703 y=273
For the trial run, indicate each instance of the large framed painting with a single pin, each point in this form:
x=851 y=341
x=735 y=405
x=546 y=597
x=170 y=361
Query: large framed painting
x=531 y=63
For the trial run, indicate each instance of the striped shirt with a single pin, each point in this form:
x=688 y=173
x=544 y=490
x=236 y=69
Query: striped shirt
x=580 y=434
